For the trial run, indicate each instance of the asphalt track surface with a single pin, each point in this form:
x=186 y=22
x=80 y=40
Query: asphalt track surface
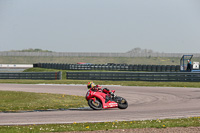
x=144 y=103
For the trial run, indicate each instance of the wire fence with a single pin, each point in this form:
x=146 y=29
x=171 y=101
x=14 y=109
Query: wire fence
x=82 y=54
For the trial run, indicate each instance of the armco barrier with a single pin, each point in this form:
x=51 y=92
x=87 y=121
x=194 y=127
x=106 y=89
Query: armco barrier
x=112 y=67
x=136 y=76
x=32 y=75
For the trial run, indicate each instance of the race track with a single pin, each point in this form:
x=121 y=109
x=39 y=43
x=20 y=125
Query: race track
x=144 y=103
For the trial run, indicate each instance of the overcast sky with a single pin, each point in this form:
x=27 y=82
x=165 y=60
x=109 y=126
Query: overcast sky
x=171 y=26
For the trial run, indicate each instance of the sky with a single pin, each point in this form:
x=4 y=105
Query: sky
x=170 y=26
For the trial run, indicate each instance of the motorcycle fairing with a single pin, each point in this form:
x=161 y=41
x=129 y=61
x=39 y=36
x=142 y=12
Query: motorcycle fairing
x=102 y=96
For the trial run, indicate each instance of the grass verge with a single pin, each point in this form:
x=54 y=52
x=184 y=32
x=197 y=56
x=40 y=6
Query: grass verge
x=185 y=122
x=26 y=101
x=94 y=60
x=122 y=83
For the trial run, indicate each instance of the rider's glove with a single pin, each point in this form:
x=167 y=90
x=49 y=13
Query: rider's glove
x=112 y=94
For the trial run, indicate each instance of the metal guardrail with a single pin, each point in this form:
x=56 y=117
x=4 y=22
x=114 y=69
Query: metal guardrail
x=136 y=76
x=112 y=67
x=32 y=75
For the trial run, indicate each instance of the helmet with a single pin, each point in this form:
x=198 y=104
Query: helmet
x=90 y=85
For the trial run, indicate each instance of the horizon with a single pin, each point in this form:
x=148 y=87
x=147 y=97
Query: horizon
x=130 y=51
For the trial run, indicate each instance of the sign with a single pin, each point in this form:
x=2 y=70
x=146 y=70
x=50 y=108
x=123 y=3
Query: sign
x=195 y=65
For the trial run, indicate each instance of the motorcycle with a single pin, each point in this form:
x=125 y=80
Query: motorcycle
x=99 y=100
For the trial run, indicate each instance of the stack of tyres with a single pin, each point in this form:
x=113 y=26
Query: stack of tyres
x=139 y=67
x=57 y=66
x=67 y=66
x=163 y=68
x=173 y=68
x=135 y=68
x=47 y=65
x=168 y=68
x=149 y=68
x=158 y=68
x=111 y=67
x=130 y=67
x=114 y=67
x=144 y=67
x=102 y=67
x=153 y=67
x=50 y=65
x=177 y=69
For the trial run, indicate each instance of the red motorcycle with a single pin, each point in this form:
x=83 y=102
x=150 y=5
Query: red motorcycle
x=98 y=100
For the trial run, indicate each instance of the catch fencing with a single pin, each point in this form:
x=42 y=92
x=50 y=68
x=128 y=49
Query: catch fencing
x=136 y=76
x=111 y=67
x=94 y=54
x=32 y=75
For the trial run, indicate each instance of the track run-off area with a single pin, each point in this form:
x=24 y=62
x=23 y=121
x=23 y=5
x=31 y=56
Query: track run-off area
x=145 y=103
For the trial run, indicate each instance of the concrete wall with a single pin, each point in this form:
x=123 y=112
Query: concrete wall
x=15 y=66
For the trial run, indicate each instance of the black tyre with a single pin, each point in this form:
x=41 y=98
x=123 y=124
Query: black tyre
x=122 y=103
x=97 y=105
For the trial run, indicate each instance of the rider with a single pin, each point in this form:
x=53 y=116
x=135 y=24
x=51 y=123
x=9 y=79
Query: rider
x=94 y=87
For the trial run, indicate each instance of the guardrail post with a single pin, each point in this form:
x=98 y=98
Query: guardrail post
x=60 y=75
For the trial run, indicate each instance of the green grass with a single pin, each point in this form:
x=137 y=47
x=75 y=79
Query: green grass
x=185 y=122
x=122 y=83
x=94 y=60
x=26 y=101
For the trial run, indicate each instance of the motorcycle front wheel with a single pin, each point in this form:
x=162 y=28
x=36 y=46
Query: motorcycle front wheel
x=122 y=103
x=96 y=105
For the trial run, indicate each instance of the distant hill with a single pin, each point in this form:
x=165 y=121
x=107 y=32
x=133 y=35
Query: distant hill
x=142 y=51
x=31 y=50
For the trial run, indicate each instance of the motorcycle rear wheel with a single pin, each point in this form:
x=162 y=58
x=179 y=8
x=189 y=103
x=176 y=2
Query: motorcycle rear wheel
x=97 y=105
x=123 y=104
